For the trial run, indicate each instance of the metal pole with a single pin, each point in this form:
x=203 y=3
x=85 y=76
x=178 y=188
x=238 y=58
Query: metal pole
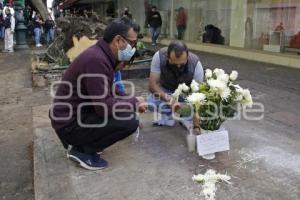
x=21 y=29
x=172 y=20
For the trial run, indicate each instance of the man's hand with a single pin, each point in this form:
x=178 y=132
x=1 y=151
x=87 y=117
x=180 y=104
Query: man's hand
x=175 y=105
x=12 y=32
x=142 y=104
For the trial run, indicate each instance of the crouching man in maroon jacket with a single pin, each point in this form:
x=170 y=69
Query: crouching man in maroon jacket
x=87 y=114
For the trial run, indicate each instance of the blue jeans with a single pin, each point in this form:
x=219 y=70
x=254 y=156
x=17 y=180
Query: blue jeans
x=154 y=34
x=37 y=35
x=155 y=104
x=50 y=36
x=2 y=32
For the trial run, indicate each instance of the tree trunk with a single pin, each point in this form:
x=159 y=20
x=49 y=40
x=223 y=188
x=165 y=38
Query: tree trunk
x=41 y=8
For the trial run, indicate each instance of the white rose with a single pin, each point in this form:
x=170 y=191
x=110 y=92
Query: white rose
x=225 y=93
x=184 y=87
x=247 y=98
x=239 y=93
x=239 y=97
x=216 y=84
x=177 y=93
x=248 y=103
x=194 y=86
x=247 y=94
x=224 y=78
x=237 y=87
x=209 y=192
x=196 y=98
x=208 y=73
x=218 y=72
x=180 y=89
x=233 y=76
x=198 y=177
x=212 y=83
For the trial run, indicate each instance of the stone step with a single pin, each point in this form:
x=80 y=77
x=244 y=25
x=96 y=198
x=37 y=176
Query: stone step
x=44 y=78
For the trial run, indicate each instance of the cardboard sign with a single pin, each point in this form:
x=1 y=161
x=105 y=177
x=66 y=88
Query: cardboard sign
x=213 y=142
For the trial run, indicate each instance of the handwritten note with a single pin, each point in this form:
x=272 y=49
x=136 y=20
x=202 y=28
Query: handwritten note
x=213 y=142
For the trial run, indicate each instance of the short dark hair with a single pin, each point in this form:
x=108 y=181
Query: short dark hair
x=178 y=47
x=154 y=7
x=121 y=27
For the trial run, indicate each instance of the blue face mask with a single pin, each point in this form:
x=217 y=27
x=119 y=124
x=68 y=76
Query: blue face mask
x=126 y=54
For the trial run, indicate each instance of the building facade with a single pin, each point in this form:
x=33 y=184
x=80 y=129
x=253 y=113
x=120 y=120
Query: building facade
x=268 y=25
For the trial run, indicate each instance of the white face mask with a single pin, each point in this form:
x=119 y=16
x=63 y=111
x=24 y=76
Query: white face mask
x=126 y=54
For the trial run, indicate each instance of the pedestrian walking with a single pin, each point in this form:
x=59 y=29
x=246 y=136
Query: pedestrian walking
x=155 y=23
x=49 y=29
x=181 y=21
x=37 y=29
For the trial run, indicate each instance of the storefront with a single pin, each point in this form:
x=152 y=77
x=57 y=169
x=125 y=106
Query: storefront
x=269 y=25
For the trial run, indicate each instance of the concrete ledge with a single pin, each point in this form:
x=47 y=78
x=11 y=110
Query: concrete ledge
x=249 y=54
x=136 y=72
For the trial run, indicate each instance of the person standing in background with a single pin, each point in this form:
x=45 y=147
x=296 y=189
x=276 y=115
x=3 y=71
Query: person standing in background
x=181 y=21
x=110 y=11
x=49 y=29
x=9 y=25
x=27 y=14
x=1 y=23
x=147 y=7
x=155 y=23
x=37 y=29
x=126 y=13
x=12 y=11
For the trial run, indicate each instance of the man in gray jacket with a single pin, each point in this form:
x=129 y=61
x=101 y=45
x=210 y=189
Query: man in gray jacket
x=171 y=66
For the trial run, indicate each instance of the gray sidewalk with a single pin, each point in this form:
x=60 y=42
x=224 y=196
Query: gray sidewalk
x=16 y=101
x=263 y=161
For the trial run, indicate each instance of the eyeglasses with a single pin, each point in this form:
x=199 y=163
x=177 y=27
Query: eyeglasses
x=131 y=42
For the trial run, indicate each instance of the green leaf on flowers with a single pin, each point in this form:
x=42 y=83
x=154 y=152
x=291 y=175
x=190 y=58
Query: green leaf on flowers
x=184 y=110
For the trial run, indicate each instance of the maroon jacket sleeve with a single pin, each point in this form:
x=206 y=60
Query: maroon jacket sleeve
x=100 y=89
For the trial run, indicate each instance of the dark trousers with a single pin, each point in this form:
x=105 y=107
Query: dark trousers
x=90 y=140
x=180 y=30
x=154 y=31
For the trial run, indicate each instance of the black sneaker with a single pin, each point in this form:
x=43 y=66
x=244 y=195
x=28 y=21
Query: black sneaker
x=87 y=161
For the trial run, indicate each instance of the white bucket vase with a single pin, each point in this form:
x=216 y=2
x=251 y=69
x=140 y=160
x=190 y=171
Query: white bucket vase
x=209 y=156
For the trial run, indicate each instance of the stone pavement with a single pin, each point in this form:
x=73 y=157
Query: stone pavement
x=263 y=161
x=16 y=101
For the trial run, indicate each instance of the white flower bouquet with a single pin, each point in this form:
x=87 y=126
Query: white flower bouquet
x=215 y=100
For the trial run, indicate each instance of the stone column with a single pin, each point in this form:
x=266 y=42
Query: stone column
x=172 y=20
x=237 y=24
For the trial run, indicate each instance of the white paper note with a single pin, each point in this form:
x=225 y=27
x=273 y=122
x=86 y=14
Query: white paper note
x=212 y=142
